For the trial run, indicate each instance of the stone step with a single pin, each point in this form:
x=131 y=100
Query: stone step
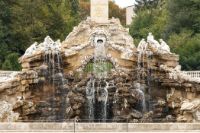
x=99 y=127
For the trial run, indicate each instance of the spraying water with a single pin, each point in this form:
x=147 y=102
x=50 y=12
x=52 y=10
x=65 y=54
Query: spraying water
x=103 y=98
x=99 y=71
x=90 y=94
x=148 y=56
x=142 y=54
x=53 y=60
x=141 y=97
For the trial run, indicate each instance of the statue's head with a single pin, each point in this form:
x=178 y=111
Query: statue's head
x=161 y=40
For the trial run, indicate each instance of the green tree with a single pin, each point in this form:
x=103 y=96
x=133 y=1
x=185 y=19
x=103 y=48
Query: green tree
x=117 y=12
x=183 y=31
x=11 y=62
x=183 y=14
x=149 y=20
x=5 y=21
x=147 y=4
x=84 y=9
x=22 y=22
x=176 y=21
x=187 y=46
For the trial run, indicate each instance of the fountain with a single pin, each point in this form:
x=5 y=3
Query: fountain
x=97 y=73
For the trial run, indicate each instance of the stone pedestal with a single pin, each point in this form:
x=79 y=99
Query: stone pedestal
x=99 y=11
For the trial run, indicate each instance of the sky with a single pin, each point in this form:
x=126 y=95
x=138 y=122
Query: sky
x=124 y=3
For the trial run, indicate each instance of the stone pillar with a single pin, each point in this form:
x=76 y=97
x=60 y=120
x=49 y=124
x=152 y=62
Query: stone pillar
x=99 y=11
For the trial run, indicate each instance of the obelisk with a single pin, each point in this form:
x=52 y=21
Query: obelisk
x=99 y=11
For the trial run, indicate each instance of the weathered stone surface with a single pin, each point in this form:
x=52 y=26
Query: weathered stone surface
x=190 y=106
x=197 y=115
x=6 y=113
x=135 y=114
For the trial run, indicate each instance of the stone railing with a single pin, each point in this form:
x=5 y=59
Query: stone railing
x=7 y=73
x=193 y=74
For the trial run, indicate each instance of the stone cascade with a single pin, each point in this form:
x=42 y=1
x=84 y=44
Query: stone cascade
x=53 y=73
x=123 y=98
x=145 y=84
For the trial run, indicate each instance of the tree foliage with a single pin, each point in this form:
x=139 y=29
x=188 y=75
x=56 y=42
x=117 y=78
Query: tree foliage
x=176 y=21
x=11 y=62
x=117 y=12
x=23 y=22
x=146 y=4
x=184 y=14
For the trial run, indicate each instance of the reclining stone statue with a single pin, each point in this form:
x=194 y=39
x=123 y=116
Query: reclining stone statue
x=31 y=49
x=164 y=48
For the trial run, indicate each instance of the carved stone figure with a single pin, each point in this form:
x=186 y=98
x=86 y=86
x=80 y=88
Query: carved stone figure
x=150 y=39
x=31 y=49
x=48 y=43
x=164 y=48
x=142 y=45
x=56 y=46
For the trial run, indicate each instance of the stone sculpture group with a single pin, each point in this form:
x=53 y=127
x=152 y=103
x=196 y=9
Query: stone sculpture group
x=46 y=46
x=161 y=48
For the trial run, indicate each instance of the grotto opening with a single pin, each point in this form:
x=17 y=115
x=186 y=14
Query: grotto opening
x=97 y=74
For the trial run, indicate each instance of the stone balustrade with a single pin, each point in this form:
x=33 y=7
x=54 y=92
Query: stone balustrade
x=193 y=74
